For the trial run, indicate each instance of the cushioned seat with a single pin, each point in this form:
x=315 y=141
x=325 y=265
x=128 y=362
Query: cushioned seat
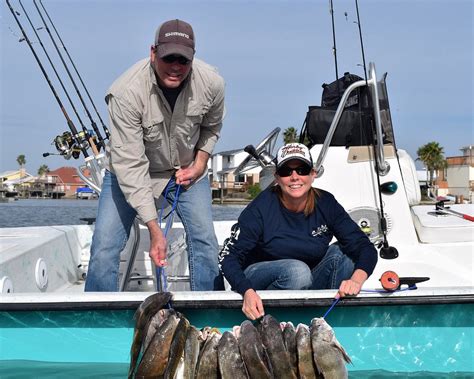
x=438 y=229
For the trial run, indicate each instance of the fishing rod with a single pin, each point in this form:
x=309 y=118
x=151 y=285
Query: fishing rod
x=334 y=50
x=361 y=41
x=93 y=124
x=386 y=251
x=79 y=138
x=54 y=69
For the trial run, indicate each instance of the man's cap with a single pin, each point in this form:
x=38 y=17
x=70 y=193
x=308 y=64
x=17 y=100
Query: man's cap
x=175 y=37
x=293 y=151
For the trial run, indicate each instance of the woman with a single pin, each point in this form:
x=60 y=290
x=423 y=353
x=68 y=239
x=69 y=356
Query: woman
x=281 y=240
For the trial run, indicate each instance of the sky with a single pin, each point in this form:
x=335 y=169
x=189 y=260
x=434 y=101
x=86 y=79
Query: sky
x=274 y=57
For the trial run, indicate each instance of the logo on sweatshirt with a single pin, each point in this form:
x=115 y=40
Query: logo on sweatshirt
x=320 y=230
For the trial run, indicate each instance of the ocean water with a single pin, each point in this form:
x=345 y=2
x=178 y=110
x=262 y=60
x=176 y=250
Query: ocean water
x=33 y=369
x=45 y=212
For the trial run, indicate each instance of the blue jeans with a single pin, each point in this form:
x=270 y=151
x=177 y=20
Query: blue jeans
x=112 y=230
x=292 y=274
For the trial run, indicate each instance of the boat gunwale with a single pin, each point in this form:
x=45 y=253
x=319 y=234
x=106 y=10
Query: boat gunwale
x=231 y=300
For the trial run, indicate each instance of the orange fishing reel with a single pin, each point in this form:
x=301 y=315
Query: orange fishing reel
x=392 y=282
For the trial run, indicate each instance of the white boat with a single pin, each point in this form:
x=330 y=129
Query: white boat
x=43 y=269
x=424 y=323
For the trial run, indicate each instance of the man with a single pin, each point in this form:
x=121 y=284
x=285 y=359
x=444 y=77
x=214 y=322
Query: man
x=165 y=115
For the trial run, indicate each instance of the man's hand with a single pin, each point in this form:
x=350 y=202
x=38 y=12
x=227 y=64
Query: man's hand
x=352 y=286
x=157 y=244
x=187 y=175
x=252 y=306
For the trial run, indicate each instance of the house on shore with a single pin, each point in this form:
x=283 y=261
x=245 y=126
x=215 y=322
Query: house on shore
x=55 y=184
x=224 y=182
x=66 y=180
x=458 y=176
x=15 y=182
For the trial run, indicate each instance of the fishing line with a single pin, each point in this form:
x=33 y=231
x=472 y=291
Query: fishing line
x=93 y=124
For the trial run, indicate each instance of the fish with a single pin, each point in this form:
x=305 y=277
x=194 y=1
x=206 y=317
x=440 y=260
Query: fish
x=253 y=352
x=153 y=325
x=328 y=354
x=146 y=310
x=155 y=357
x=191 y=352
x=306 y=367
x=272 y=339
x=207 y=366
x=289 y=338
x=231 y=364
x=177 y=347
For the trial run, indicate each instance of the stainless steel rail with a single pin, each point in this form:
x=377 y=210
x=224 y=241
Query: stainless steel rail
x=384 y=167
x=372 y=83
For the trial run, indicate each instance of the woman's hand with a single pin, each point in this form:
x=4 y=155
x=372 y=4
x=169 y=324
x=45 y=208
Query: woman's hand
x=352 y=286
x=252 y=306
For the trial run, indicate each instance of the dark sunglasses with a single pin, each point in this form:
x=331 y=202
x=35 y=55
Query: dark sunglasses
x=176 y=58
x=285 y=171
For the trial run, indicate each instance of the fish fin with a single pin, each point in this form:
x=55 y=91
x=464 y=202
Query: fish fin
x=317 y=368
x=338 y=346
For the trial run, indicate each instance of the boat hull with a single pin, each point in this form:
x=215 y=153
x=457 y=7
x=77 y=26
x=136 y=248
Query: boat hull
x=392 y=333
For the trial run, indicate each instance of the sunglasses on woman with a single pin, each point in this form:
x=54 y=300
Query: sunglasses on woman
x=285 y=171
x=176 y=58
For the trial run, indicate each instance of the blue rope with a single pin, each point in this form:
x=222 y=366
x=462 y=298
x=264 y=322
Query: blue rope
x=413 y=287
x=160 y=271
x=334 y=302
x=337 y=298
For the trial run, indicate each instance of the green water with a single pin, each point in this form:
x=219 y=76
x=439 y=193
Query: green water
x=31 y=369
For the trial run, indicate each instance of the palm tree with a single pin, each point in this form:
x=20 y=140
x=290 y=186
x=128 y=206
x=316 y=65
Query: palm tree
x=21 y=160
x=432 y=155
x=290 y=135
x=43 y=169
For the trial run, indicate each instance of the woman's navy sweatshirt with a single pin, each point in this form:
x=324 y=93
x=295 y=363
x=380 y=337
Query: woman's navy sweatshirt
x=267 y=231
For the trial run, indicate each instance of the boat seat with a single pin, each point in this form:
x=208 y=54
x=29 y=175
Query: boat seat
x=432 y=228
x=410 y=179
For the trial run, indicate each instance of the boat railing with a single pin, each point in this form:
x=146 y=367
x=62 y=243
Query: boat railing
x=371 y=82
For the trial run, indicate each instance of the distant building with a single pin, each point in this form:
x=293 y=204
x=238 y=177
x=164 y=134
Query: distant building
x=63 y=181
x=221 y=167
x=66 y=181
x=459 y=174
x=14 y=182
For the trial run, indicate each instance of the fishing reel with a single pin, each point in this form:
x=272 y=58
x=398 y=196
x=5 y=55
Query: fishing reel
x=67 y=146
